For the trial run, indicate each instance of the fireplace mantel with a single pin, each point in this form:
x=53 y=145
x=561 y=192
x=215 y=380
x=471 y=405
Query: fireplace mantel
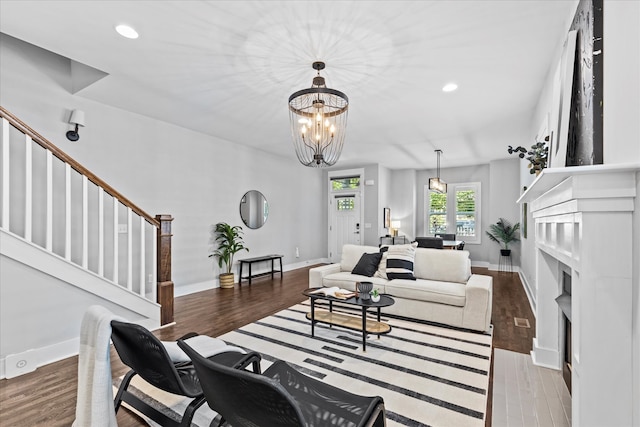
x=583 y=224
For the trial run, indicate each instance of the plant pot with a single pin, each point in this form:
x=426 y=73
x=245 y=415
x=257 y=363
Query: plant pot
x=505 y=252
x=363 y=289
x=226 y=280
x=375 y=298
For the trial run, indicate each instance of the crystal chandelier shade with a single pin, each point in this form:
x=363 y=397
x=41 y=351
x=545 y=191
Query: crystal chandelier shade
x=318 y=118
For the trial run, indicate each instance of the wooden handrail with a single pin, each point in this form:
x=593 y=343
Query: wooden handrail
x=43 y=142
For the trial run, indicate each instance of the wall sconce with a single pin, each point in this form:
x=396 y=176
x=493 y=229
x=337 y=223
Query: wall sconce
x=395 y=225
x=77 y=119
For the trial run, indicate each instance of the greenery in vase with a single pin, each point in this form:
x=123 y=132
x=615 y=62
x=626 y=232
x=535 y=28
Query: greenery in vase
x=229 y=241
x=503 y=232
x=537 y=155
x=375 y=293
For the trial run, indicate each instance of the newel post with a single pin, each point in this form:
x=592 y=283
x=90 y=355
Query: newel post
x=165 y=285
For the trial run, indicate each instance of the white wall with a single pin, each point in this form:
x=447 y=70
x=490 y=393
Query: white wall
x=621 y=97
x=29 y=320
x=166 y=169
x=403 y=201
x=503 y=186
x=635 y=314
x=384 y=198
x=621 y=134
x=371 y=195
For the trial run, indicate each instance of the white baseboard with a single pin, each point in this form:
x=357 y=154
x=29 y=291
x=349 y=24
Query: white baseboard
x=305 y=264
x=192 y=288
x=480 y=264
x=527 y=290
x=496 y=267
x=545 y=357
x=40 y=357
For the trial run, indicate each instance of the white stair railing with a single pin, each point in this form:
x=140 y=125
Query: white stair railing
x=50 y=200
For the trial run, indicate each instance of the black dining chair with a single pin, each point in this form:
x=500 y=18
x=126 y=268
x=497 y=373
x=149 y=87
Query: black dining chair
x=445 y=236
x=145 y=354
x=281 y=397
x=429 y=242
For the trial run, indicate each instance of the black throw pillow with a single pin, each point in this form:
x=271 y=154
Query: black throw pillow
x=368 y=264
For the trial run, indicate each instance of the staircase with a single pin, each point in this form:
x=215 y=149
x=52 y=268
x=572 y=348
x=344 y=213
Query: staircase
x=68 y=241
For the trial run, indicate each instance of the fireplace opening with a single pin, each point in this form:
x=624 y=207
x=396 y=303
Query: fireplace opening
x=564 y=302
x=566 y=363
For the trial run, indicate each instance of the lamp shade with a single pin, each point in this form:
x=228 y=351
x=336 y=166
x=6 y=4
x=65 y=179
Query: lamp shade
x=436 y=184
x=396 y=224
x=77 y=118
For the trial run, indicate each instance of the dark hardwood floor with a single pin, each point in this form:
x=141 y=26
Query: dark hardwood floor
x=47 y=397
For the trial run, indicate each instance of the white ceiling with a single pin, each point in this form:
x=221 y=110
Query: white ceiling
x=227 y=68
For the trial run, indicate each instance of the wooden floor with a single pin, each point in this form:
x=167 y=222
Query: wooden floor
x=47 y=396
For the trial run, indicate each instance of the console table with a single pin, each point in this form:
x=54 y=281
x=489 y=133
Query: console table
x=251 y=261
x=393 y=240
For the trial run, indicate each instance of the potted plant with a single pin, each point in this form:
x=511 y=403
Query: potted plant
x=537 y=156
x=375 y=295
x=504 y=233
x=229 y=241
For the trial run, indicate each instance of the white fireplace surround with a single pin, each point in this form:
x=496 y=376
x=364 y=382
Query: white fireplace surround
x=584 y=223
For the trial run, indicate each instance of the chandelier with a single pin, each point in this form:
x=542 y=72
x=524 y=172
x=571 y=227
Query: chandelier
x=437 y=184
x=318 y=117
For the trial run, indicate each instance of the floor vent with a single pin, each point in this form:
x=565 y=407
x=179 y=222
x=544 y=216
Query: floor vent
x=521 y=322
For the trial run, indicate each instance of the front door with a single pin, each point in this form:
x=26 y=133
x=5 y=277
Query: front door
x=345 y=224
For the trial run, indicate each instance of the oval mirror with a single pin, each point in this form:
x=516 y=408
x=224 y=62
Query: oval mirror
x=254 y=209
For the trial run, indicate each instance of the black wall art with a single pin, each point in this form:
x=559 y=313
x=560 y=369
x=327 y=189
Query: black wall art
x=584 y=143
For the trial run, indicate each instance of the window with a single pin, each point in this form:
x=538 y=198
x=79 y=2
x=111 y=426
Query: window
x=437 y=221
x=345 y=183
x=457 y=211
x=345 y=203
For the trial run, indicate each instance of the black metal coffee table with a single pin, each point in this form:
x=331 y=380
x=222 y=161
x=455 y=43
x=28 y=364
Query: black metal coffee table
x=347 y=321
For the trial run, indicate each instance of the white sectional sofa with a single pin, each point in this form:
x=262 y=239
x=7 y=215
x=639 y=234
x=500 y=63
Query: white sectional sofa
x=444 y=291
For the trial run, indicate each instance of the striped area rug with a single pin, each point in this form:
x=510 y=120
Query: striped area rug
x=427 y=375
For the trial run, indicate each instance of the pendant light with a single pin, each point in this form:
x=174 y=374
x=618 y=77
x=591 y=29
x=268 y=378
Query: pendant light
x=318 y=118
x=437 y=184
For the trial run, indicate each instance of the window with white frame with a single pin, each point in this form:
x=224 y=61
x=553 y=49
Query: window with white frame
x=455 y=212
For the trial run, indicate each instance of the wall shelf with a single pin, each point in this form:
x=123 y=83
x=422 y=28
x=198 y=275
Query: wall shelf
x=551 y=177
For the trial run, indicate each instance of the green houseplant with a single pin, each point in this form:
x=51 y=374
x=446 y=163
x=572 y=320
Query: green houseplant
x=502 y=232
x=229 y=241
x=537 y=156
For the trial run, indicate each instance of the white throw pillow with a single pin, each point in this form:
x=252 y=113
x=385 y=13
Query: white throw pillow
x=400 y=260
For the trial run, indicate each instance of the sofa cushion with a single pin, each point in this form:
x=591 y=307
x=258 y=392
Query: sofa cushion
x=351 y=255
x=428 y=290
x=400 y=261
x=442 y=265
x=346 y=280
x=367 y=265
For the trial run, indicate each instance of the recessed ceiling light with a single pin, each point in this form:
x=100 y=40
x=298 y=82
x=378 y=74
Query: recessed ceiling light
x=449 y=87
x=127 y=31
